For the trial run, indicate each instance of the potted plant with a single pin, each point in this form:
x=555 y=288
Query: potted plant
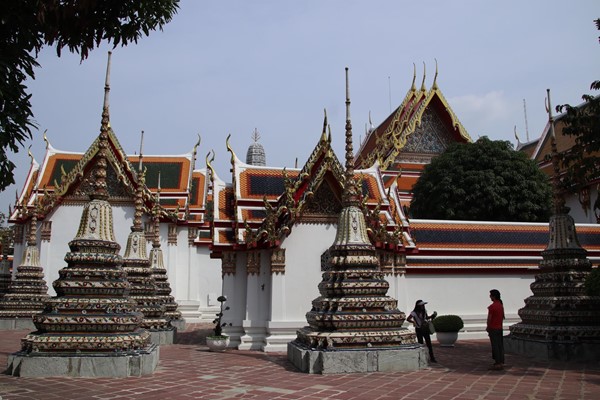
x=218 y=341
x=446 y=329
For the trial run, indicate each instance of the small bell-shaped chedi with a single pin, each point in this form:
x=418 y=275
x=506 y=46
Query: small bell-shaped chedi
x=159 y=272
x=559 y=321
x=28 y=291
x=256 y=153
x=353 y=325
x=5 y=263
x=139 y=274
x=91 y=327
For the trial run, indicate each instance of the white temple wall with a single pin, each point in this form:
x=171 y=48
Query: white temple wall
x=292 y=292
x=234 y=288
x=303 y=249
x=200 y=282
x=258 y=305
x=464 y=294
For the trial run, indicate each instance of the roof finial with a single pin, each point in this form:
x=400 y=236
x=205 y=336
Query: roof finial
x=517 y=136
x=107 y=82
x=349 y=195
x=434 y=87
x=255 y=135
x=29 y=154
x=324 y=133
x=423 y=88
x=46 y=138
x=141 y=152
x=413 y=87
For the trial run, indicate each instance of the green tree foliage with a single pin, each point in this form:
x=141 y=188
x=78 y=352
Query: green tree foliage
x=486 y=180
x=26 y=26
x=581 y=163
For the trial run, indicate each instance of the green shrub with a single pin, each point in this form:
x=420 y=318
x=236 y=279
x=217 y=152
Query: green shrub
x=448 y=323
x=592 y=283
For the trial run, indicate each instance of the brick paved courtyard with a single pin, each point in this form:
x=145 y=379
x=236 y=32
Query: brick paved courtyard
x=188 y=371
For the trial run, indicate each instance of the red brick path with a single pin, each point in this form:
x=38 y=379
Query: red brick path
x=188 y=371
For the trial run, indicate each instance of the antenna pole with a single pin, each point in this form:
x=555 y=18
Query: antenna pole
x=526 y=125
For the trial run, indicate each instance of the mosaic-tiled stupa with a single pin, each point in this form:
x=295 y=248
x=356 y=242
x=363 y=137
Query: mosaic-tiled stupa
x=559 y=321
x=28 y=291
x=5 y=264
x=139 y=274
x=353 y=325
x=91 y=327
x=159 y=272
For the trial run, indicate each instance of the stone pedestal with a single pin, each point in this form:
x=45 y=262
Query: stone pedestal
x=397 y=359
x=163 y=337
x=15 y=324
x=135 y=363
x=553 y=350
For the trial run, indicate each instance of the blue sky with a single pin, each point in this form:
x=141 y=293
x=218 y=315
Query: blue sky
x=228 y=67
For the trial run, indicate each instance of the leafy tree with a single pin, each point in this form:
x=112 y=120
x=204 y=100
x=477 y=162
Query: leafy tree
x=26 y=26
x=581 y=162
x=486 y=180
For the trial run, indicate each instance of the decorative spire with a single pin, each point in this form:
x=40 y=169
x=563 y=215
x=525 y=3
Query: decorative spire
x=413 y=87
x=435 y=86
x=46 y=138
x=100 y=187
x=350 y=193
x=324 y=133
x=139 y=202
x=423 y=88
x=559 y=201
x=30 y=155
x=32 y=239
x=141 y=152
x=156 y=217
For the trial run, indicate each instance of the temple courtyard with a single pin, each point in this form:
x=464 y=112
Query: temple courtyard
x=187 y=370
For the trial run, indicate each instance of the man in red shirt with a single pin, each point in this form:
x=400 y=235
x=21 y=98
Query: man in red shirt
x=494 y=329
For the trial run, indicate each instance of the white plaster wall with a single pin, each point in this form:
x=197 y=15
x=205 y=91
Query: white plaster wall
x=466 y=295
x=303 y=252
x=201 y=277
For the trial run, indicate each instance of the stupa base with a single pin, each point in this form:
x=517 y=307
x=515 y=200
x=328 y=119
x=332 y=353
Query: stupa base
x=393 y=359
x=553 y=350
x=178 y=324
x=135 y=363
x=163 y=337
x=15 y=324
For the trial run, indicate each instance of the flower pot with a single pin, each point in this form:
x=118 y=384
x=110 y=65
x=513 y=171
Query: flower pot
x=217 y=343
x=446 y=339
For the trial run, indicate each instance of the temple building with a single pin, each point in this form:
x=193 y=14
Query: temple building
x=585 y=204
x=262 y=236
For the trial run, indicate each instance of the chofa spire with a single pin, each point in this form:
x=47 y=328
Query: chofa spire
x=350 y=195
x=100 y=187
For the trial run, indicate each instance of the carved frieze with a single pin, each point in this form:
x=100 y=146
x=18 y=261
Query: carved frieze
x=228 y=263
x=277 y=261
x=172 y=236
x=192 y=235
x=253 y=263
x=46 y=231
x=18 y=239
